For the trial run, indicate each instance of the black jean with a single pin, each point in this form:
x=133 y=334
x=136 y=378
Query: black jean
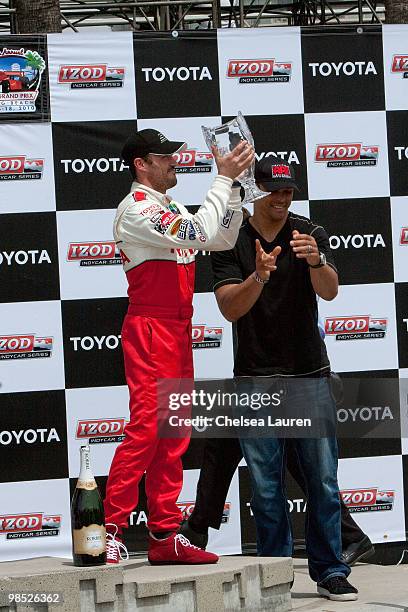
x=220 y=460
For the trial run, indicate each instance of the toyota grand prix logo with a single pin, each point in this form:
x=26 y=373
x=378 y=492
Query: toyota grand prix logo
x=91 y=76
x=94 y=253
x=101 y=431
x=368 y=500
x=189 y=161
x=400 y=65
x=259 y=70
x=29 y=525
x=205 y=337
x=404 y=236
x=342 y=155
x=20 y=167
x=355 y=327
x=25 y=346
x=20 y=80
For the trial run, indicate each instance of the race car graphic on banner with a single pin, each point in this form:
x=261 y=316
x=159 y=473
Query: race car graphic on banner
x=23 y=80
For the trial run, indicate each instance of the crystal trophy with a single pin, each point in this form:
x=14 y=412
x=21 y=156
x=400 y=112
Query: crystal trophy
x=226 y=137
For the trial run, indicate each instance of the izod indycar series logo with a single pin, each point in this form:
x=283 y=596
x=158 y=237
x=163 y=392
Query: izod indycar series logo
x=368 y=500
x=259 y=70
x=91 y=76
x=101 y=431
x=30 y=525
x=342 y=155
x=189 y=161
x=20 y=167
x=355 y=327
x=94 y=253
x=25 y=346
x=20 y=78
x=188 y=507
x=404 y=236
x=205 y=337
x=400 y=65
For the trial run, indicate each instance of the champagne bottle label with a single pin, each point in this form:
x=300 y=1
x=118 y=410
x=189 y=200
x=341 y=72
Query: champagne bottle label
x=89 y=485
x=90 y=540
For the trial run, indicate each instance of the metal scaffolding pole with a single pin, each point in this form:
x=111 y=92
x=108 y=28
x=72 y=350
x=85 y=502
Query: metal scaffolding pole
x=167 y=15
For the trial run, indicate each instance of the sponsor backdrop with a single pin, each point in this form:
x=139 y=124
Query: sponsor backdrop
x=334 y=103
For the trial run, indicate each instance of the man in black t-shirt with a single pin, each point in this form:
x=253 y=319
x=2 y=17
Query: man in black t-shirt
x=268 y=284
x=280 y=309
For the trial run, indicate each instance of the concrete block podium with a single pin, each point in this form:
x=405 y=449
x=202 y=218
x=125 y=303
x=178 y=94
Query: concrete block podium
x=250 y=584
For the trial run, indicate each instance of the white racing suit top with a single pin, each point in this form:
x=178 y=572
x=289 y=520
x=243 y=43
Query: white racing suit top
x=158 y=240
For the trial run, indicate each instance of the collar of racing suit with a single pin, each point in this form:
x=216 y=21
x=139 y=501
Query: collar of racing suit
x=160 y=198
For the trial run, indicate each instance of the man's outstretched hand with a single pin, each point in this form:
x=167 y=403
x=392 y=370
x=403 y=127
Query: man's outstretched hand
x=265 y=262
x=235 y=162
x=305 y=247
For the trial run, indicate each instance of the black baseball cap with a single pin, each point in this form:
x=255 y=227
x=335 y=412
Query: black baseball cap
x=274 y=175
x=148 y=141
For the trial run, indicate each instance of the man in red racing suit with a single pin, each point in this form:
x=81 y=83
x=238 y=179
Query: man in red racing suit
x=157 y=239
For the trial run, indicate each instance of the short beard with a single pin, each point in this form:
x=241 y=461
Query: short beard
x=172 y=182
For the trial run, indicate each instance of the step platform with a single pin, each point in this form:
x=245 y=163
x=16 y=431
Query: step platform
x=250 y=584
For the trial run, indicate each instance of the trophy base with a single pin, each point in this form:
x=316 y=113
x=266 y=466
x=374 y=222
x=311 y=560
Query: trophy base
x=252 y=193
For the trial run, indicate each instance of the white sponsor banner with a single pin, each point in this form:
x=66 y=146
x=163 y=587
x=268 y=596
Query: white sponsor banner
x=403 y=387
x=95 y=416
x=196 y=169
x=399 y=218
x=360 y=328
x=347 y=155
x=372 y=488
x=300 y=207
x=35 y=519
x=26 y=168
x=260 y=71
x=31 y=349
x=227 y=539
x=212 y=339
x=395 y=48
x=89 y=261
x=93 y=79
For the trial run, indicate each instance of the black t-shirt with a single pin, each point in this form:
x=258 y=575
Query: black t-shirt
x=280 y=334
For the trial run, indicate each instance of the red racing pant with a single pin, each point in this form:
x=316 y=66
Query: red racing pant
x=153 y=348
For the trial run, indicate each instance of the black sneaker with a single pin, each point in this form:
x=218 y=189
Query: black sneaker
x=337 y=588
x=358 y=551
x=198 y=539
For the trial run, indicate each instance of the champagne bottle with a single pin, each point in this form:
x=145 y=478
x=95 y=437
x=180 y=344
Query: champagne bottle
x=87 y=517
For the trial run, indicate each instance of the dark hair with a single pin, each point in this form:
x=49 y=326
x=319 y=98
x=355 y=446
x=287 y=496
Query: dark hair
x=132 y=170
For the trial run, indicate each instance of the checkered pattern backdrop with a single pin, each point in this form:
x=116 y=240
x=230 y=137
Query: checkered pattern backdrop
x=334 y=102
